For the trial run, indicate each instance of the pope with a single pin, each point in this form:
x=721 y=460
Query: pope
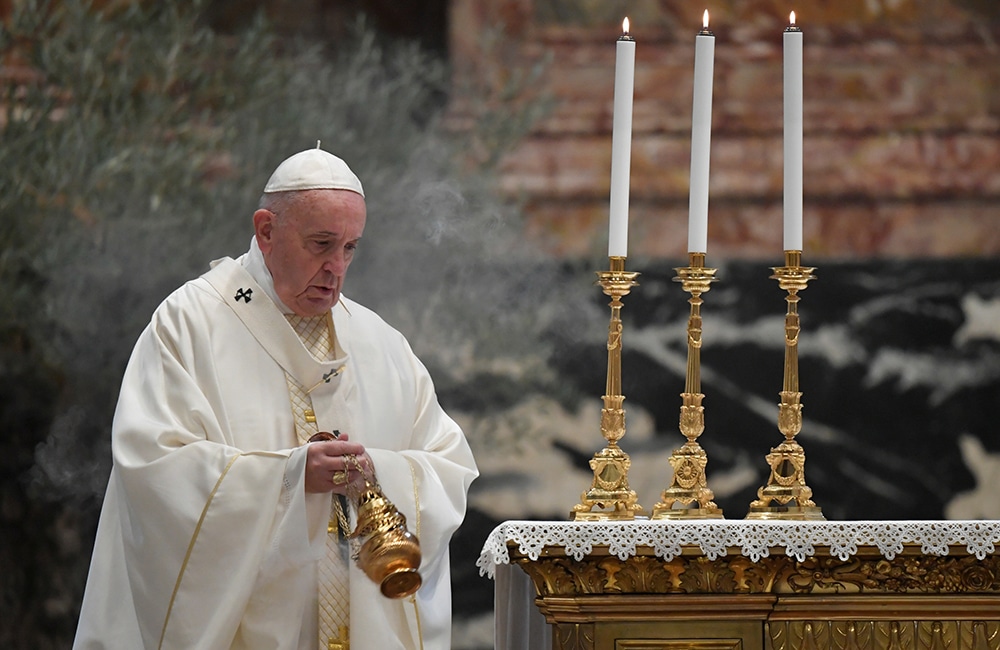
x=223 y=526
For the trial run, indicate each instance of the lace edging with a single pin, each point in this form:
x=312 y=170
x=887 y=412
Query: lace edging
x=754 y=539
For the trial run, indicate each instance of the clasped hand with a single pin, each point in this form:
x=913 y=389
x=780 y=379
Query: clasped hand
x=335 y=464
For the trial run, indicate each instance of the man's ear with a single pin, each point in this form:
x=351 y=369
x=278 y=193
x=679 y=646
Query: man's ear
x=263 y=227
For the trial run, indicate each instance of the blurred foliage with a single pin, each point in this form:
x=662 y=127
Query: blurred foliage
x=135 y=144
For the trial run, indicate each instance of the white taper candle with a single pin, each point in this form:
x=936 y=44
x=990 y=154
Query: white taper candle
x=792 y=45
x=621 y=144
x=701 y=139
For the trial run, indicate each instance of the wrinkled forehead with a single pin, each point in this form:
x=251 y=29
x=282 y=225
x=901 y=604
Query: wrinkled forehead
x=298 y=202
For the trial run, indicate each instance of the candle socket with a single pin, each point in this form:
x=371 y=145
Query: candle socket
x=786 y=495
x=610 y=492
x=688 y=496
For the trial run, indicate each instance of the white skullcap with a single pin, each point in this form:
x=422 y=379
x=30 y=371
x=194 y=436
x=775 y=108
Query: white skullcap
x=313 y=169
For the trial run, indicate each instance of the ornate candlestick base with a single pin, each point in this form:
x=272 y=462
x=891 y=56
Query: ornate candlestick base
x=786 y=495
x=610 y=492
x=688 y=496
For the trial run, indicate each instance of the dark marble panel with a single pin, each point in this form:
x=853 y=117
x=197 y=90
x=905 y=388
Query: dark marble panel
x=900 y=375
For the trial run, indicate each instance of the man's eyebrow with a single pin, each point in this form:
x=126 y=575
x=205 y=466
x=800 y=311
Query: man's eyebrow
x=329 y=233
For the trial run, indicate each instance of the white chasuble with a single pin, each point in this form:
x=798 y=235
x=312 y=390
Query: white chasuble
x=207 y=538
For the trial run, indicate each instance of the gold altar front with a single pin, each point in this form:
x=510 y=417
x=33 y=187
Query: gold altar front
x=865 y=602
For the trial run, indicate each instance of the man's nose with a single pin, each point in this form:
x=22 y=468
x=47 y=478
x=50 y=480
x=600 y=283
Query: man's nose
x=336 y=262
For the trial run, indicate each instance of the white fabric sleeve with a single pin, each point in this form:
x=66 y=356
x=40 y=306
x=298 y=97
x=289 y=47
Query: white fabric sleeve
x=300 y=520
x=428 y=482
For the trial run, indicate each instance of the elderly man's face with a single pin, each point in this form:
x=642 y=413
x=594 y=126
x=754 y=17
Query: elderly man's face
x=309 y=245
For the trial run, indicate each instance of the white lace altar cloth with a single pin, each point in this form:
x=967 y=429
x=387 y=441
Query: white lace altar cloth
x=754 y=539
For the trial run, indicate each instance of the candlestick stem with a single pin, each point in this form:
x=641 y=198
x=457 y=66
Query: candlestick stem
x=688 y=496
x=610 y=492
x=786 y=495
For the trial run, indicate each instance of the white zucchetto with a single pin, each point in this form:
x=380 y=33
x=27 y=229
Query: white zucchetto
x=313 y=169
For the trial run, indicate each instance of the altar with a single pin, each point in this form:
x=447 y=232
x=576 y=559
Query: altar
x=745 y=585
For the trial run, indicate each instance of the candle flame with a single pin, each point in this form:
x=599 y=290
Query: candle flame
x=704 y=19
x=791 y=18
x=625 y=26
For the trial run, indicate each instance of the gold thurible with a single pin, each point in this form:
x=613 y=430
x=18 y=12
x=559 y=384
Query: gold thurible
x=786 y=495
x=610 y=492
x=688 y=496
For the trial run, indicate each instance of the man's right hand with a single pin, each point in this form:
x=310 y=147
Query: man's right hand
x=329 y=468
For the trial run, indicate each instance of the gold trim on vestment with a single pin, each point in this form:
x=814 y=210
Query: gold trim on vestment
x=416 y=503
x=416 y=496
x=187 y=555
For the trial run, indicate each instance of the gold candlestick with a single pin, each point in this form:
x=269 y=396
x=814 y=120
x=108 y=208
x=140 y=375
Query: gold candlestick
x=610 y=492
x=786 y=485
x=689 y=487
